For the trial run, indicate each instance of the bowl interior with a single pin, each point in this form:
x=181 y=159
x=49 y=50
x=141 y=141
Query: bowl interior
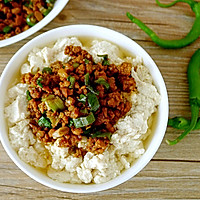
x=59 y=5
x=95 y=32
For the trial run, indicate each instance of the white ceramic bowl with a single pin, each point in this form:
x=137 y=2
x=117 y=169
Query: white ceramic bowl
x=58 y=6
x=94 y=32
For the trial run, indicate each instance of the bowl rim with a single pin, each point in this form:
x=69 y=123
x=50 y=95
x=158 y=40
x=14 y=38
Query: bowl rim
x=163 y=109
x=58 y=7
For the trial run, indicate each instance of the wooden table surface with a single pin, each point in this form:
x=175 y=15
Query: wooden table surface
x=174 y=172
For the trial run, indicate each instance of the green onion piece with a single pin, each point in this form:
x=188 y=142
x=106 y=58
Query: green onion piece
x=82 y=98
x=72 y=80
x=92 y=90
x=30 y=20
x=105 y=59
x=39 y=82
x=7 y=1
x=87 y=132
x=100 y=134
x=93 y=101
x=54 y=102
x=89 y=87
x=45 y=12
x=84 y=121
x=84 y=111
x=47 y=70
x=70 y=123
x=50 y=1
x=26 y=4
x=86 y=61
x=44 y=122
x=87 y=77
x=54 y=121
x=7 y=29
x=75 y=65
x=103 y=82
x=28 y=95
x=105 y=62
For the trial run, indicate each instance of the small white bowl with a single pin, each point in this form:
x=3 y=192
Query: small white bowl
x=58 y=6
x=121 y=41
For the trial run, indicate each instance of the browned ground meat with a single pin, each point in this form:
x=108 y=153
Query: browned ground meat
x=76 y=97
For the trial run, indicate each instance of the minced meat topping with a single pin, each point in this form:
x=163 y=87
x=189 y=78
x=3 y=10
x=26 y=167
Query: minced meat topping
x=79 y=98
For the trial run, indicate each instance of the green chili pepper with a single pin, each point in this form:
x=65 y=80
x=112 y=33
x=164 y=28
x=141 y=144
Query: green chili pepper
x=7 y=29
x=45 y=12
x=54 y=121
x=72 y=80
x=39 y=82
x=86 y=61
x=100 y=134
x=70 y=123
x=47 y=70
x=173 y=44
x=82 y=98
x=50 y=1
x=54 y=102
x=84 y=121
x=44 y=122
x=105 y=59
x=102 y=81
x=194 y=94
x=7 y=1
x=84 y=111
x=75 y=65
x=87 y=77
x=30 y=20
x=93 y=101
x=182 y=123
x=89 y=87
x=28 y=95
x=87 y=132
x=28 y=4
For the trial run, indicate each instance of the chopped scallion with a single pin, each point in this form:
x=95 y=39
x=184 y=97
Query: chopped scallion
x=100 y=134
x=54 y=103
x=39 y=82
x=93 y=101
x=105 y=59
x=75 y=65
x=70 y=123
x=84 y=121
x=87 y=77
x=86 y=61
x=82 y=98
x=92 y=90
x=28 y=95
x=47 y=70
x=44 y=122
x=72 y=80
x=103 y=82
x=7 y=29
x=84 y=111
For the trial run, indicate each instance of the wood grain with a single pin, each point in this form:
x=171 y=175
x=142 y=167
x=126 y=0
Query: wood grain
x=174 y=172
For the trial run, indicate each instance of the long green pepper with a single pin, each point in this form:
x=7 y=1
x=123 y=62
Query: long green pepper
x=194 y=94
x=182 y=124
x=173 y=44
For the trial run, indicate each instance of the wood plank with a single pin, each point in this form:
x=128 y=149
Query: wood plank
x=159 y=179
